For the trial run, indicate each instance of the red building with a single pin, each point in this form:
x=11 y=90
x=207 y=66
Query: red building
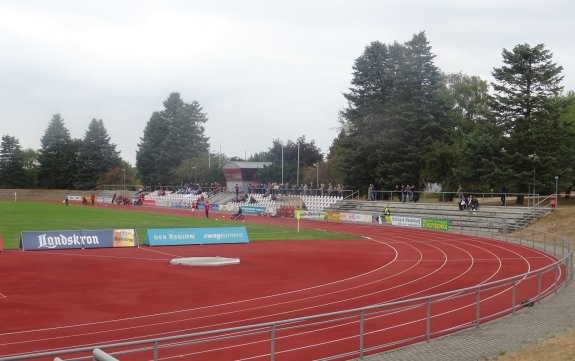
x=242 y=173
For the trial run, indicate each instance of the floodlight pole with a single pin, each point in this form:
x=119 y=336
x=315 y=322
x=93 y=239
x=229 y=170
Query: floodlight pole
x=317 y=175
x=556 y=193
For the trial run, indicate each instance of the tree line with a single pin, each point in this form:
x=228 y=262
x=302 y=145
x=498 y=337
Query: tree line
x=405 y=122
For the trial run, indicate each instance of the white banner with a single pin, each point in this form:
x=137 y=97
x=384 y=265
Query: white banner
x=356 y=217
x=406 y=221
x=161 y=202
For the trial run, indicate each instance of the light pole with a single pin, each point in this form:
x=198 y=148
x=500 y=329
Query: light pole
x=317 y=175
x=195 y=175
x=556 y=195
x=534 y=158
x=124 y=178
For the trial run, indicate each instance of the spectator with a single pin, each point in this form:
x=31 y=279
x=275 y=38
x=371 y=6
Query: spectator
x=370 y=190
x=474 y=203
x=92 y=198
x=504 y=191
x=462 y=203
x=409 y=192
x=207 y=209
x=415 y=193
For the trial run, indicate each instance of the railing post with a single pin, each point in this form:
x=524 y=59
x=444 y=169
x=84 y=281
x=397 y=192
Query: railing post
x=554 y=247
x=273 y=343
x=361 y=332
x=156 y=351
x=477 y=307
x=539 y=287
x=556 y=277
x=513 y=298
x=428 y=320
x=476 y=226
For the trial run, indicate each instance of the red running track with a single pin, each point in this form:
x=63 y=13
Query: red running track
x=51 y=300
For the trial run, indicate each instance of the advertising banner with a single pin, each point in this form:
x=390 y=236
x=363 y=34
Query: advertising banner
x=406 y=221
x=438 y=224
x=78 y=239
x=189 y=236
x=161 y=202
x=384 y=219
x=253 y=209
x=356 y=217
x=332 y=216
x=180 y=204
x=301 y=214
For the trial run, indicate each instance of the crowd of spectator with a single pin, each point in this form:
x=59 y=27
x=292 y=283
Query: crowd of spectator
x=189 y=188
x=244 y=197
x=287 y=189
x=469 y=202
x=406 y=193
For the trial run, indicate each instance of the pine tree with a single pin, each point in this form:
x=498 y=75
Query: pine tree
x=171 y=136
x=57 y=157
x=395 y=118
x=96 y=156
x=12 y=174
x=526 y=87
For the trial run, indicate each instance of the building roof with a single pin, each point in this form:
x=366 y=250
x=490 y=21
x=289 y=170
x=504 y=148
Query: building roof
x=245 y=165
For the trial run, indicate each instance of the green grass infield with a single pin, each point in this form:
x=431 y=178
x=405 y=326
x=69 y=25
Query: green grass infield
x=17 y=217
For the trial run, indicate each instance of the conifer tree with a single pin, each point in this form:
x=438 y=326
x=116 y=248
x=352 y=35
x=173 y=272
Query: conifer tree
x=12 y=174
x=57 y=156
x=96 y=156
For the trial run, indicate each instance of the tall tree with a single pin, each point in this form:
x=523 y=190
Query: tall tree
x=12 y=174
x=477 y=138
x=57 y=156
x=526 y=88
x=148 y=153
x=395 y=117
x=566 y=141
x=172 y=136
x=30 y=158
x=96 y=155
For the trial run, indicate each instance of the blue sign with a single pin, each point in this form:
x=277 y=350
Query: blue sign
x=253 y=209
x=78 y=239
x=187 y=236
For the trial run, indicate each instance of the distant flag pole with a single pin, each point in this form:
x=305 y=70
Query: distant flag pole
x=297 y=216
x=282 y=162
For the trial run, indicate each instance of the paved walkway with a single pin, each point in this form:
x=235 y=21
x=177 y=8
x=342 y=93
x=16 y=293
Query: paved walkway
x=554 y=315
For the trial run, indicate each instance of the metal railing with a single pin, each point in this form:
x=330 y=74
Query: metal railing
x=427 y=196
x=367 y=329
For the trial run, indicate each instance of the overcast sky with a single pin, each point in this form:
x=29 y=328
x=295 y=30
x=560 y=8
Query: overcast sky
x=261 y=70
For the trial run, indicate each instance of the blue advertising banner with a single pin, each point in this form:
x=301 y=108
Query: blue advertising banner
x=188 y=236
x=78 y=239
x=253 y=209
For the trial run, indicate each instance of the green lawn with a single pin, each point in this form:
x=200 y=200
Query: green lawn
x=16 y=217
